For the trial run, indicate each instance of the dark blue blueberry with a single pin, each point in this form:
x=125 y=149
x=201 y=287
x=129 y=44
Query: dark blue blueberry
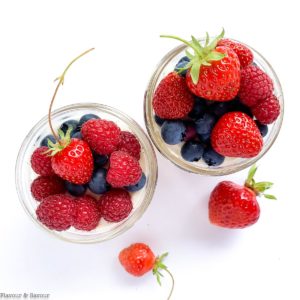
x=75 y=189
x=87 y=117
x=138 y=186
x=204 y=138
x=212 y=158
x=237 y=105
x=76 y=135
x=182 y=64
x=64 y=126
x=100 y=160
x=172 y=132
x=192 y=151
x=262 y=128
x=220 y=108
x=159 y=121
x=199 y=108
x=50 y=137
x=98 y=183
x=205 y=124
x=184 y=58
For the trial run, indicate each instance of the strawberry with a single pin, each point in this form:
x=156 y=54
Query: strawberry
x=256 y=85
x=235 y=206
x=130 y=144
x=244 y=54
x=267 y=110
x=236 y=135
x=138 y=259
x=102 y=136
x=213 y=71
x=41 y=162
x=72 y=159
x=124 y=170
x=172 y=98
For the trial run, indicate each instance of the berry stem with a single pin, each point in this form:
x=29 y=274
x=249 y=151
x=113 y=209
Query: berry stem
x=173 y=283
x=61 y=82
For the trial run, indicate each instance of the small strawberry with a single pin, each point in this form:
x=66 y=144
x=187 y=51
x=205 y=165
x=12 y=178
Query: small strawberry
x=130 y=144
x=244 y=54
x=41 y=162
x=172 y=98
x=87 y=214
x=115 y=205
x=102 y=136
x=235 y=206
x=236 y=135
x=44 y=186
x=57 y=212
x=138 y=259
x=256 y=85
x=213 y=71
x=267 y=111
x=123 y=170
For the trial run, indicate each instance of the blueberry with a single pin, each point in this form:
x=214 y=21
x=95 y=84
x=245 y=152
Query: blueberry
x=205 y=138
x=159 y=121
x=237 y=105
x=138 y=186
x=76 y=135
x=172 y=132
x=262 y=128
x=64 y=126
x=212 y=158
x=75 y=189
x=192 y=151
x=220 y=108
x=182 y=64
x=50 y=137
x=98 y=183
x=199 y=108
x=87 y=117
x=100 y=160
x=205 y=124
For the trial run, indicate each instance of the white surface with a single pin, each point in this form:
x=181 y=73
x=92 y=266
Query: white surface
x=38 y=38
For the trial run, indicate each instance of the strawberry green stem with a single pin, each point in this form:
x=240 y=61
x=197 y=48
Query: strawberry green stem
x=61 y=82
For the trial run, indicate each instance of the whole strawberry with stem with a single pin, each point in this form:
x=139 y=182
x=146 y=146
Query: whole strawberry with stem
x=138 y=259
x=213 y=71
x=235 y=206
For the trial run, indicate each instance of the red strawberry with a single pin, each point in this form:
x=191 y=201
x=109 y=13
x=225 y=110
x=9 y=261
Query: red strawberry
x=267 y=111
x=41 y=162
x=115 y=205
x=102 y=136
x=236 y=135
x=124 y=170
x=235 y=206
x=172 y=98
x=87 y=214
x=57 y=212
x=44 y=186
x=213 y=72
x=130 y=144
x=256 y=85
x=244 y=54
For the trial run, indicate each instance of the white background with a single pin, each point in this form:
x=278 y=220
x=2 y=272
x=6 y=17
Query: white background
x=38 y=39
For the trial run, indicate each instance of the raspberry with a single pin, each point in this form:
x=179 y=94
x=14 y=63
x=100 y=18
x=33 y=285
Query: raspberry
x=256 y=85
x=41 y=162
x=124 y=170
x=115 y=205
x=57 y=212
x=87 y=214
x=44 y=186
x=130 y=144
x=102 y=136
x=267 y=111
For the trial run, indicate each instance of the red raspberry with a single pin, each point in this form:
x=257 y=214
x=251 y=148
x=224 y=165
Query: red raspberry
x=124 y=170
x=267 y=111
x=244 y=54
x=41 y=162
x=130 y=144
x=115 y=205
x=87 y=214
x=103 y=136
x=256 y=85
x=44 y=186
x=57 y=212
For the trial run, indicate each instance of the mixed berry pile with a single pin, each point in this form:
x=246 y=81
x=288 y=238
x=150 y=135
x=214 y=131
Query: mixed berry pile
x=89 y=173
x=216 y=103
